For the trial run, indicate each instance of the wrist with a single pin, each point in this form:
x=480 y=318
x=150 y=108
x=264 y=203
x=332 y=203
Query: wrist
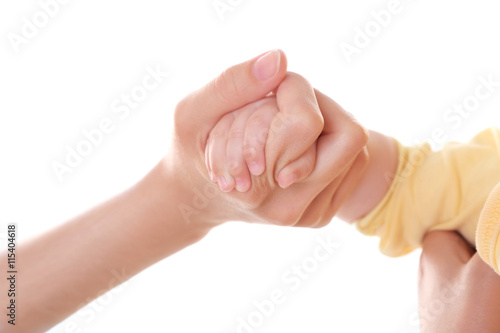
x=373 y=184
x=194 y=200
x=165 y=194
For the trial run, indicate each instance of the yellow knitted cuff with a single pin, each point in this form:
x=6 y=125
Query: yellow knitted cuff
x=488 y=230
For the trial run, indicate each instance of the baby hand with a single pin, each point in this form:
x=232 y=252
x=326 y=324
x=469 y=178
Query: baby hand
x=236 y=147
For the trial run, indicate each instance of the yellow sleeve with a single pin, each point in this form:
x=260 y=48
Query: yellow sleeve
x=435 y=190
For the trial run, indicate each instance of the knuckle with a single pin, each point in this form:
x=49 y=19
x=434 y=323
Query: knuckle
x=314 y=120
x=354 y=139
x=250 y=152
x=258 y=128
x=358 y=135
x=235 y=168
x=308 y=122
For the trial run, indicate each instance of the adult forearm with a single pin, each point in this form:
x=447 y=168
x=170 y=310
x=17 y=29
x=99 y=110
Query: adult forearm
x=85 y=257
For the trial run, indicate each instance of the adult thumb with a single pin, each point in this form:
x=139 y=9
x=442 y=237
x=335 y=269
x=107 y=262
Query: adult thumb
x=234 y=88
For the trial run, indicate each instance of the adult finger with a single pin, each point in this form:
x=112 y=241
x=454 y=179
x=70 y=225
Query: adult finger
x=340 y=143
x=296 y=126
x=480 y=272
x=326 y=204
x=444 y=253
x=299 y=169
x=318 y=212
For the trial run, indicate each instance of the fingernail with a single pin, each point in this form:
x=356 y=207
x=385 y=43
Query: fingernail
x=267 y=66
x=255 y=169
x=285 y=181
x=241 y=184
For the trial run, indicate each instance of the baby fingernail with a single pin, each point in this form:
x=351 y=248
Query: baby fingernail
x=241 y=184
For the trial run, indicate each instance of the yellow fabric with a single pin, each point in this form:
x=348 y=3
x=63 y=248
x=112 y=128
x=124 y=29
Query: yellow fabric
x=488 y=230
x=435 y=190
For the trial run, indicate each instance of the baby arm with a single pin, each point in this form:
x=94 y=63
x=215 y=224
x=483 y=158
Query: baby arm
x=237 y=152
x=252 y=125
x=405 y=192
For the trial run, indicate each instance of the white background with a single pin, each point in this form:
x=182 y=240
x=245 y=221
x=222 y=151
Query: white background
x=64 y=80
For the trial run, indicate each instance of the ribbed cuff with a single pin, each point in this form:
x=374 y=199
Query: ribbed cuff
x=488 y=230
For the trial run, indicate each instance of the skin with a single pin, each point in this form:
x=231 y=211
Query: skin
x=163 y=213
x=458 y=291
x=243 y=139
x=97 y=250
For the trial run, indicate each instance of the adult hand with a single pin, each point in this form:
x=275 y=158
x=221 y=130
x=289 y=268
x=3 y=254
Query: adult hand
x=147 y=222
x=340 y=160
x=458 y=291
